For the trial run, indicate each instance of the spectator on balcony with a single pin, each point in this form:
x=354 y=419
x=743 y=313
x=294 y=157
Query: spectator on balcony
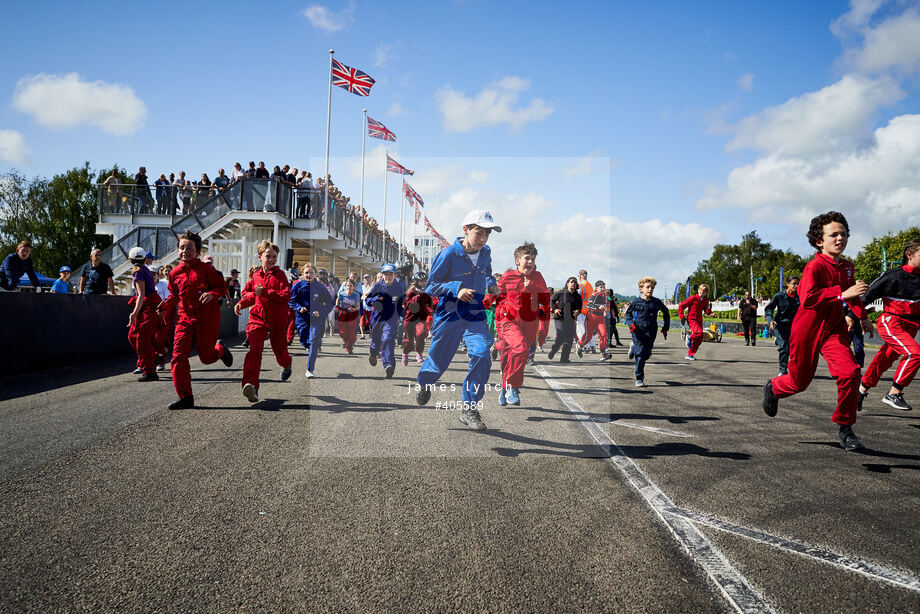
x=303 y=195
x=97 y=277
x=162 y=185
x=17 y=264
x=175 y=205
x=204 y=188
x=184 y=188
x=237 y=173
x=285 y=177
x=142 y=194
x=111 y=191
x=221 y=181
x=261 y=172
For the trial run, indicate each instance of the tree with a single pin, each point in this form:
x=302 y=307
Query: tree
x=868 y=263
x=58 y=216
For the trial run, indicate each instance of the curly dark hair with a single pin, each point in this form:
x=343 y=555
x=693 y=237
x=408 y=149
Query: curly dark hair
x=816 y=229
x=526 y=248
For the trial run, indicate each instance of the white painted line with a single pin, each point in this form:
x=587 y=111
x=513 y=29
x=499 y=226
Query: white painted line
x=741 y=596
x=865 y=568
x=653 y=429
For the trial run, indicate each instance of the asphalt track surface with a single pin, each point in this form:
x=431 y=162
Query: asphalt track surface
x=340 y=493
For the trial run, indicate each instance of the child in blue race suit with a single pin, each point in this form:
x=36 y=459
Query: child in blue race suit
x=460 y=277
x=312 y=303
x=384 y=301
x=642 y=320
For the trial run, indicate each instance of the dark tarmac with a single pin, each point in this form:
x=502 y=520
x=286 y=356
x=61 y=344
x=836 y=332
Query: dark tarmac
x=340 y=493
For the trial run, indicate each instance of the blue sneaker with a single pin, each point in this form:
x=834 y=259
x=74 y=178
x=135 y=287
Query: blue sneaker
x=501 y=397
x=688 y=342
x=514 y=396
x=689 y=357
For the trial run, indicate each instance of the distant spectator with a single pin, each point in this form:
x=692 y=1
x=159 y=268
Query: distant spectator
x=251 y=173
x=221 y=181
x=261 y=172
x=303 y=195
x=174 y=203
x=60 y=285
x=111 y=191
x=204 y=188
x=97 y=276
x=163 y=282
x=148 y=261
x=233 y=285
x=15 y=265
x=185 y=192
x=162 y=185
x=277 y=174
x=143 y=191
x=237 y=173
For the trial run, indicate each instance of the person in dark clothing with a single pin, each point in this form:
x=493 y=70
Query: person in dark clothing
x=785 y=304
x=747 y=315
x=97 y=276
x=15 y=265
x=642 y=318
x=613 y=315
x=565 y=307
x=142 y=193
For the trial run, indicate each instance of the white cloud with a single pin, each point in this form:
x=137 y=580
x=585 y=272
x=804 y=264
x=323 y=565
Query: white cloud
x=384 y=55
x=584 y=165
x=64 y=101
x=892 y=44
x=746 y=82
x=833 y=118
x=493 y=105
x=395 y=110
x=858 y=16
x=13 y=148
x=329 y=20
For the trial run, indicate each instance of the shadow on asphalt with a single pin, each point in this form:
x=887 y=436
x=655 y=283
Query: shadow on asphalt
x=611 y=417
x=878 y=468
x=339 y=406
x=61 y=377
x=866 y=451
x=711 y=385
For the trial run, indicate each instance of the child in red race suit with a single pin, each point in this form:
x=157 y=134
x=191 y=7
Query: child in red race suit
x=692 y=311
x=899 y=290
x=347 y=313
x=194 y=289
x=419 y=309
x=142 y=322
x=268 y=293
x=596 y=320
x=517 y=314
x=819 y=328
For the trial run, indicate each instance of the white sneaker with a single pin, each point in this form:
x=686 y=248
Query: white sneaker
x=309 y=374
x=640 y=383
x=249 y=391
x=161 y=368
x=137 y=371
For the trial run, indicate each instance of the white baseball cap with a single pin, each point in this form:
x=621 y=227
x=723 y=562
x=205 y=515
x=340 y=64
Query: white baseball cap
x=481 y=218
x=137 y=253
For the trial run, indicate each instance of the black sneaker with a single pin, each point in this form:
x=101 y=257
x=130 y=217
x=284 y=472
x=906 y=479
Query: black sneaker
x=389 y=371
x=753 y=343
x=897 y=401
x=848 y=439
x=473 y=420
x=183 y=403
x=859 y=399
x=578 y=351
x=770 y=402
x=494 y=353
x=285 y=374
x=148 y=377
x=423 y=395
x=373 y=360
x=227 y=357
x=552 y=352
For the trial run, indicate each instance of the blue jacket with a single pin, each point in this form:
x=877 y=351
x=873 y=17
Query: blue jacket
x=314 y=297
x=12 y=269
x=452 y=271
x=389 y=299
x=643 y=314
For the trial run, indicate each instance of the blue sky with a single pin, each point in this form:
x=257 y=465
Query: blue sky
x=622 y=139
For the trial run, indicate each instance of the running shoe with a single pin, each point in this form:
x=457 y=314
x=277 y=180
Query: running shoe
x=250 y=392
x=226 y=357
x=770 y=402
x=389 y=371
x=309 y=374
x=148 y=377
x=514 y=396
x=372 y=359
x=630 y=355
x=285 y=374
x=897 y=401
x=183 y=403
x=689 y=357
x=405 y=360
x=578 y=351
x=640 y=383
x=859 y=400
x=423 y=395
x=418 y=357
x=848 y=439
x=473 y=420
x=137 y=371
x=502 y=399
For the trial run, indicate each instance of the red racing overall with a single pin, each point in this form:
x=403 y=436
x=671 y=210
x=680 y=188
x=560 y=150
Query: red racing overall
x=143 y=332
x=819 y=328
x=897 y=326
x=196 y=322
x=695 y=308
x=517 y=316
x=269 y=317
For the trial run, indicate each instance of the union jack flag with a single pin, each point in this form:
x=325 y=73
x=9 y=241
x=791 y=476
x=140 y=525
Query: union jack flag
x=378 y=131
x=412 y=195
x=354 y=80
x=418 y=214
x=395 y=167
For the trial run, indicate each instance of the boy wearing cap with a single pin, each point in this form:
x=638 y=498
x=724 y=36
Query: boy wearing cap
x=142 y=322
x=460 y=277
x=61 y=286
x=384 y=301
x=195 y=288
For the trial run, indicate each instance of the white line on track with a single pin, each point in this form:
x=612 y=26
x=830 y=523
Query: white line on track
x=865 y=568
x=653 y=429
x=734 y=587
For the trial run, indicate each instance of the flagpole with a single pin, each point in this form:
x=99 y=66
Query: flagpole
x=386 y=175
x=363 y=140
x=402 y=212
x=328 y=122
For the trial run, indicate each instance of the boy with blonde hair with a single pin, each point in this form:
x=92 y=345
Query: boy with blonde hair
x=642 y=320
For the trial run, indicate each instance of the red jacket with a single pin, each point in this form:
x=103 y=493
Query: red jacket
x=187 y=282
x=417 y=305
x=272 y=306
x=822 y=283
x=899 y=290
x=517 y=304
x=695 y=307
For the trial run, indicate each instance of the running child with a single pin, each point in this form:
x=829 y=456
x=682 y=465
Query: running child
x=268 y=293
x=899 y=290
x=596 y=321
x=819 y=328
x=142 y=322
x=460 y=277
x=692 y=311
x=194 y=291
x=642 y=319
x=384 y=301
x=347 y=307
x=517 y=316
x=418 y=308
x=312 y=302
